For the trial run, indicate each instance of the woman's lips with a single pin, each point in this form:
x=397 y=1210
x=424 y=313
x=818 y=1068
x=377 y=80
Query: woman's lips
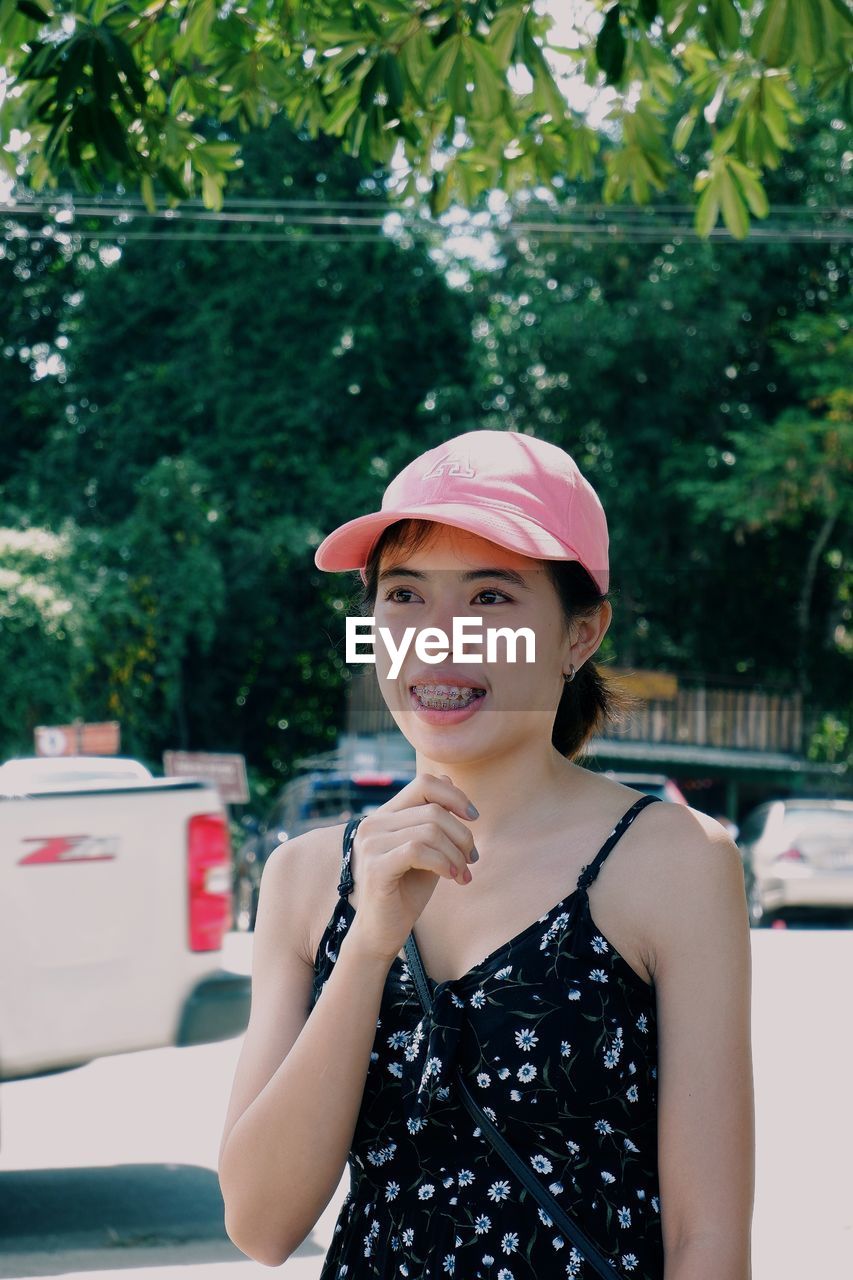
x=453 y=715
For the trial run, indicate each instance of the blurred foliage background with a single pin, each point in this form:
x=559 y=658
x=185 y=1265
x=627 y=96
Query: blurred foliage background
x=185 y=416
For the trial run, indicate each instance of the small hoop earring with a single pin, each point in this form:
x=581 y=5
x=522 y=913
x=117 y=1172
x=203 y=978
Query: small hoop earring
x=568 y=678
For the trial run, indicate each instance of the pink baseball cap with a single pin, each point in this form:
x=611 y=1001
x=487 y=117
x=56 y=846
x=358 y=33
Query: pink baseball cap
x=514 y=489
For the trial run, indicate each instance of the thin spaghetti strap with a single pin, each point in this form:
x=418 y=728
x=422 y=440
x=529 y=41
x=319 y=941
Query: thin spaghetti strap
x=591 y=870
x=347 y=883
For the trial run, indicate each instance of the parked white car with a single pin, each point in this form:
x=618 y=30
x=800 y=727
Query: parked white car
x=798 y=860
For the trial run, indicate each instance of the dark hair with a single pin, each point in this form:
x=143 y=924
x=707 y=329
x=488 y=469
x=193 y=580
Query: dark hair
x=589 y=702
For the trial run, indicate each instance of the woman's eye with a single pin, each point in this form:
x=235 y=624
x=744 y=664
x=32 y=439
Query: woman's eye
x=492 y=591
x=487 y=591
x=396 y=591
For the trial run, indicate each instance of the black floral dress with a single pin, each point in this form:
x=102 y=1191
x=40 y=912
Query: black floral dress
x=556 y=1037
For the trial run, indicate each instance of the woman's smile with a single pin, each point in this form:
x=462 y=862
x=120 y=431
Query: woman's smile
x=446 y=703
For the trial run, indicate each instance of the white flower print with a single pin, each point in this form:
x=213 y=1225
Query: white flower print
x=509 y=1243
x=599 y=944
x=565 y=1049
x=482 y=1224
x=624 y=1215
x=449 y=1264
x=382 y=1154
x=392 y=1190
x=603 y=1126
x=526 y=1039
x=574 y=1264
x=612 y=1054
x=598 y=975
x=573 y=993
x=499 y=1190
x=606 y=1176
x=432 y=1066
x=478 y=999
x=629 y=1261
x=541 y=1163
x=426 y=1191
x=526 y=1073
x=370 y=1238
x=553 y=929
x=484 y=1079
x=414 y=1045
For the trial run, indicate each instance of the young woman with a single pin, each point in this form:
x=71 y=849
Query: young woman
x=586 y=947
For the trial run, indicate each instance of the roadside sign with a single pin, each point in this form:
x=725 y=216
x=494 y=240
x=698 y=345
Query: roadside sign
x=78 y=739
x=226 y=772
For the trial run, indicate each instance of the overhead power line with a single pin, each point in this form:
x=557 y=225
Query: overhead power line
x=321 y=221
x=588 y=232
x=73 y=199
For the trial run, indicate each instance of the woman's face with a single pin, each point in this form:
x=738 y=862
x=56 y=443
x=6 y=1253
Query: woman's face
x=435 y=584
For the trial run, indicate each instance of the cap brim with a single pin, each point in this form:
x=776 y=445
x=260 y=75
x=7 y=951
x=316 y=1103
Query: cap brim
x=349 y=546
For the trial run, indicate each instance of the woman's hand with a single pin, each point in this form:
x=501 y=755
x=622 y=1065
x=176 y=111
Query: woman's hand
x=402 y=848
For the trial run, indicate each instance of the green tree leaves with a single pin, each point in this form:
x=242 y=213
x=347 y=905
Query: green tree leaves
x=119 y=91
x=610 y=45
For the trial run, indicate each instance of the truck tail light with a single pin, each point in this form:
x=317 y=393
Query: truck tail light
x=209 y=881
x=792 y=854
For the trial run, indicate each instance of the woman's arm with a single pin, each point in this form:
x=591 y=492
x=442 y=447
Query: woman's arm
x=699 y=940
x=300 y=1078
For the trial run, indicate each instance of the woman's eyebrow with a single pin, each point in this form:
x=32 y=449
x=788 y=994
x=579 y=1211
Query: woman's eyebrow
x=466 y=575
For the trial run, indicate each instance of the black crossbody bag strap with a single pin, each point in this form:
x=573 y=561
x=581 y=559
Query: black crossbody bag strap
x=578 y=1237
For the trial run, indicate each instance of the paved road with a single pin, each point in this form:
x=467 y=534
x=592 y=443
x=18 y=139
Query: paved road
x=112 y=1167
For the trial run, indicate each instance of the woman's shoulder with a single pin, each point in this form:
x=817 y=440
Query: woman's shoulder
x=682 y=859
x=661 y=818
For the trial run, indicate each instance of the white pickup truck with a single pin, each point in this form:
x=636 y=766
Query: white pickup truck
x=115 y=898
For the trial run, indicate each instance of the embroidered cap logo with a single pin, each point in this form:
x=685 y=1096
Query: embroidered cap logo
x=450 y=466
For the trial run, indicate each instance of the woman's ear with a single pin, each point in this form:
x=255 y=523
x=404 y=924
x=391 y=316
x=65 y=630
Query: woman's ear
x=589 y=634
